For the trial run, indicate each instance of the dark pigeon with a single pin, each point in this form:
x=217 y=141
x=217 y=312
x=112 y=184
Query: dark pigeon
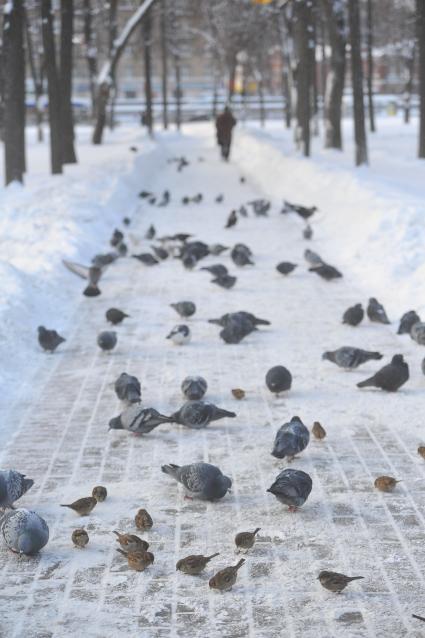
x=389 y=378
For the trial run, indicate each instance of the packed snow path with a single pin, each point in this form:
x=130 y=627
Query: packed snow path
x=61 y=440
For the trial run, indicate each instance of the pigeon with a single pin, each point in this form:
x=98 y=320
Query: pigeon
x=189 y=261
x=80 y=538
x=99 y=493
x=197 y=249
x=103 y=260
x=303 y=211
x=200 y=480
x=291 y=439
x=13 y=485
x=375 y=312
x=194 y=388
x=182 y=237
x=335 y=582
x=353 y=315
x=92 y=273
x=198 y=414
x=151 y=232
x=225 y=281
x=115 y=316
x=131 y=542
x=180 y=335
x=385 y=483
x=126 y=221
x=236 y=329
x=242 y=180
x=407 y=321
x=218 y=270
x=184 y=308
x=308 y=232
x=117 y=238
x=278 y=379
x=197 y=199
x=224 y=320
x=217 y=249
x=232 y=219
x=243 y=211
x=226 y=578
x=285 y=267
x=147 y=259
x=240 y=256
x=107 y=340
x=138 y=560
x=350 y=358
x=292 y=487
x=145 y=194
x=219 y=199
x=82 y=506
x=139 y=420
x=326 y=272
x=24 y=531
x=122 y=249
x=165 y=198
x=160 y=252
x=417 y=332
x=391 y=377
x=49 y=340
x=194 y=564
x=143 y=520
x=246 y=540
x=127 y=388
x=313 y=258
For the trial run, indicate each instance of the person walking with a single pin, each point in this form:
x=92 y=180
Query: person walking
x=224 y=125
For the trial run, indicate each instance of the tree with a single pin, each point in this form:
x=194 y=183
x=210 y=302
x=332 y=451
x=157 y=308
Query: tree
x=369 y=40
x=420 y=25
x=67 y=116
x=357 y=83
x=164 y=62
x=55 y=119
x=304 y=72
x=147 y=43
x=335 y=21
x=36 y=64
x=14 y=91
x=91 y=51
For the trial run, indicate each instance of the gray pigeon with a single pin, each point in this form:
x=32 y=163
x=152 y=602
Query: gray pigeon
x=326 y=271
x=241 y=314
x=184 y=308
x=147 y=259
x=417 y=332
x=103 y=259
x=391 y=377
x=350 y=358
x=308 y=232
x=407 y=321
x=107 y=340
x=292 y=487
x=285 y=267
x=278 y=379
x=198 y=414
x=24 y=531
x=353 y=315
x=375 y=311
x=218 y=270
x=13 y=485
x=224 y=281
x=115 y=316
x=91 y=273
x=127 y=388
x=291 y=439
x=49 y=340
x=241 y=256
x=194 y=388
x=139 y=420
x=217 y=249
x=313 y=258
x=160 y=252
x=180 y=335
x=236 y=329
x=200 y=480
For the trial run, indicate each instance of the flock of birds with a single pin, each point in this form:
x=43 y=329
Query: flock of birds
x=26 y=532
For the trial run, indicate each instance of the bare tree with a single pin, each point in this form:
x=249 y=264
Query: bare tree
x=67 y=116
x=302 y=34
x=36 y=64
x=335 y=21
x=164 y=62
x=357 y=83
x=369 y=41
x=420 y=22
x=90 y=50
x=147 y=44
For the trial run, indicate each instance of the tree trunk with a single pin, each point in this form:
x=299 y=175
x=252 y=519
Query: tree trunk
x=407 y=98
x=91 y=52
x=178 y=92
x=336 y=74
x=1 y=92
x=420 y=21
x=147 y=43
x=232 y=77
x=53 y=87
x=302 y=20
x=14 y=92
x=36 y=68
x=261 y=98
x=370 y=67
x=164 y=63
x=286 y=68
x=67 y=116
x=357 y=83
x=113 y=31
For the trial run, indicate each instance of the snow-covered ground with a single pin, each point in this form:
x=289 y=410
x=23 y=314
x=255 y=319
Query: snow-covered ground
x=57 y=433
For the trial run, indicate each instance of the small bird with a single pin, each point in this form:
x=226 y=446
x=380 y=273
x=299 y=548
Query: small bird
x=335 y=582
x=219 y=199
x=313 y=258
x=115 y=316
x=226 y=578
x=184 y=308
x=194 y=388
x=417 y=332
x=138 y=560
x=143 y=520
x=407 y=321
x=151 y=232
x=79 y=537
x=238 y=393
x=198 y=414
x=225 y=281
x=91 y=273
x=385 y=483
x=126 y=221
x=278 y=379
x=292 y=487
x=242 y=180
x=291 y=439
x=318 y=430
x=194 y=564
x=117 y=237
x=165 y=198
x=243 y=211
x=127 y=388
x=147 y=259
x=180 y=335
x=82 y=506
x=13 y=485
x=49 y=340
x=24 y=531
x=285 y=267
x=303 y=211
x=391 y=377
x=160 y=252
x=246 y=540
x=218 y=270
x=232 y=219
x=139 y=420
x=200 y=480
x=99 y=493
x=217 y=249
x=308 y=232
x=421 y=451
x=376 y=312
x=107 y=340
x=326 y=271
x=353 y=315
x=241 y=257
x=350 y=358
x=145 y=194
x=131 y=542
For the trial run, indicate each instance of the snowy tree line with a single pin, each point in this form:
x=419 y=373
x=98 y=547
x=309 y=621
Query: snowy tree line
x=326 y=48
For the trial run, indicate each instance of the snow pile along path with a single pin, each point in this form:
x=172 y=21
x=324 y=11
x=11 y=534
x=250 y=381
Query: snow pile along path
x=62 y=440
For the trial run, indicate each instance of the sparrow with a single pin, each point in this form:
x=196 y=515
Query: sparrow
x=13 y=485
x=353 y=315
x=194 y=564
x=184 y=308
x=79 y=537
x=238 y=393
x=385 y=483
x=83 y=506
x=391 y=377
x=225 y=281
x=99 y=493
x=318 y=430
x=375 y=311
x=49 y=340
x=139 y=420
x=180 y=335
x=115 y=316
x=107 y=340
x=246 y=540
x=226 y=578
x=285 y=267
x=350 y=358
x=127 y=388
x=194 y=388
x=421 y=451
x=335 y=582
x=200 y=480
x=24 y=531
x=326 y=271
x=407 y=321
x=147 y=259
x=292 y=487
x=291 y=439
x=232 y=219
x=143 y=520
x=138 y=560
x=131 y=542
x=198 y=414
x=278 y=379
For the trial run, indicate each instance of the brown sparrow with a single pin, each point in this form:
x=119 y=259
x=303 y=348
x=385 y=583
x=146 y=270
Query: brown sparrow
x=238 y=393
x=83 y=506
x=226 y=578
x=131 y=542
x=421 y=451
x=335 y=582
x=138 y=560
x=143 y=520
x=318 y=430
x=80 y=538
x=385 y=483
x=245 y=540
x=99 y=493
x=194 y=564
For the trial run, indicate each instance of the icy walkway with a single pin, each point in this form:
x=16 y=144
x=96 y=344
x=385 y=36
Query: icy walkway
x=62 y=441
